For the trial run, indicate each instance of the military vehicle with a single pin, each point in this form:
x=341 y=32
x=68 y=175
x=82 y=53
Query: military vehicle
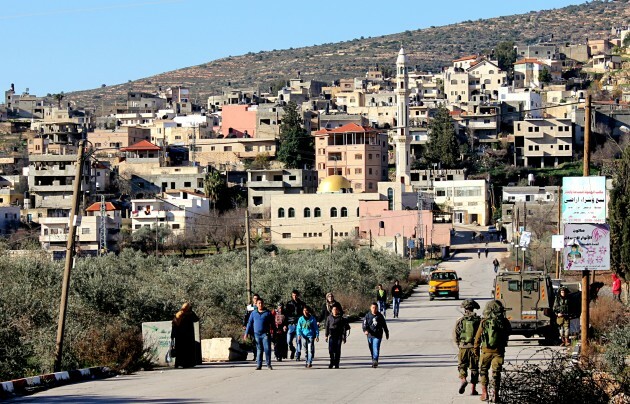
x=528 y=299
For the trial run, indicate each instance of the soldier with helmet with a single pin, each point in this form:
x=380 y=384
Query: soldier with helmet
x=561 y=308
x=464 y=336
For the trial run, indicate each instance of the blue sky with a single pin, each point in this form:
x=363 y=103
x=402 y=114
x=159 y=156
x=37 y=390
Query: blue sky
x=52 y=46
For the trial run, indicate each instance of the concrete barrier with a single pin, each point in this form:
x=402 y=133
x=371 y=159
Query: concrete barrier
x=221 y=350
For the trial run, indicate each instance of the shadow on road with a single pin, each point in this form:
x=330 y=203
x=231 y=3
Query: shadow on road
x=102 y=399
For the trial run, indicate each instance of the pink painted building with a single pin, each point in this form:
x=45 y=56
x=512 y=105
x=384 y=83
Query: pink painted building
x=237 y=120
x=427 y=227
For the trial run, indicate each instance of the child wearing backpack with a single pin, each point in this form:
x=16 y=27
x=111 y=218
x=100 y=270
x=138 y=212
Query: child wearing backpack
x=490 y=342
x=464 y=336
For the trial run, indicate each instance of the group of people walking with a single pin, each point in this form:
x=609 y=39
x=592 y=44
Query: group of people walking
x=294 y=328
x=481 y=343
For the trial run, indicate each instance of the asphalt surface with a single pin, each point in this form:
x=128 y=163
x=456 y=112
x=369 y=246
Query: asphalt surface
x=418 y=363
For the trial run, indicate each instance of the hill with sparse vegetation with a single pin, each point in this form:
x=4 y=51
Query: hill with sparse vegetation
x=428 y=49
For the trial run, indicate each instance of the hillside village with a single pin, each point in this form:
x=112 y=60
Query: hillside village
x=392 y=159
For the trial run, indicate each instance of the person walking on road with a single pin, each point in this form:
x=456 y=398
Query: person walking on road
x=374 y=325
x=280 y=347
x=248 y=311
x=293 y=311
x=464 y=336
x=397 y=292
x=490 y=342
x=327 y=307
x=183 y=337
x=495 y=263
x=616 y=287
x=478 y=253
x=381 y=298
x=561 y=308
x=337 y=328
x=308 y=332
x=259 y=324
x=485 y=250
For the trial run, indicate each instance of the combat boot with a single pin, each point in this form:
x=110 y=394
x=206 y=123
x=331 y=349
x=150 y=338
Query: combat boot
x=495 y=391
x=462 y=386
x=484 y=393
x=473 y=391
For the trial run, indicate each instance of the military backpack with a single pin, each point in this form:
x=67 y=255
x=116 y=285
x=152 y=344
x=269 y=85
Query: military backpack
x=469 y=328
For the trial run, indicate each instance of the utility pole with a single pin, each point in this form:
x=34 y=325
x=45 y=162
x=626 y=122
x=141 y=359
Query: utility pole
x=103 y=228
x=517 y=232
x=370 y=239
x=156 y=234
x=559 y=199
x=331 y=239
x=70 y=251
x=584 y=320
x=248 y=267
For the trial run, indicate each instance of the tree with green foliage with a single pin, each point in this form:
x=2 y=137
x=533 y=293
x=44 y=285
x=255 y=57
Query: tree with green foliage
x=545 y=76
x=296 y=146
x=213 y=186
x=443 y=146
x=619 y=207
x=506 y=56
x=58 y=97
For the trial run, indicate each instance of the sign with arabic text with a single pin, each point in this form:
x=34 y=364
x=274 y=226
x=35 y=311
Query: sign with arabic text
x=584 y=200
x=586 y=247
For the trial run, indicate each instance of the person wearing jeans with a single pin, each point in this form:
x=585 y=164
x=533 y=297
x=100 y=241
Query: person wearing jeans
x=259 y=324
x=397 y=292
x=308 y=332
x=374 y=325
x=381 y=298
x=293 y=311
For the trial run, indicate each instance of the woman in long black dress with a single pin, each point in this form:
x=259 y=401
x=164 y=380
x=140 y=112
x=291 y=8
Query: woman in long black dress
x=183 y=332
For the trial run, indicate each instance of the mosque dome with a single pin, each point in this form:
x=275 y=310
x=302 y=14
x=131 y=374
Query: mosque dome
x=334 y=184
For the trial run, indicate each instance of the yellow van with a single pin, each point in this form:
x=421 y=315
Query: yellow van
x=444 y=283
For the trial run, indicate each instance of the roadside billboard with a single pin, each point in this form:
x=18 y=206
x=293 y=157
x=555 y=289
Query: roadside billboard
x=584 y=200
x=586 y=247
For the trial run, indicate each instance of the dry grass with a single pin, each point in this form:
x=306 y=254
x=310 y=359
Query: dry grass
x=606 y=314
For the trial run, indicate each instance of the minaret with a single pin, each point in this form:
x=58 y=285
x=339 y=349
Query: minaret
x=401 y=139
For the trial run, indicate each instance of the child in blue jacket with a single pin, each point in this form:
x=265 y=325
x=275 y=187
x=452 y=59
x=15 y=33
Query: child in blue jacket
x=308 y=331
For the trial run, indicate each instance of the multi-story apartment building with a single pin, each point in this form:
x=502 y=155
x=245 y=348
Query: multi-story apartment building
x=9 y=219
x=178 y=210
x=232 y=151
x=543 y=142
x=12 y=188
x=467 y=200
x=527 y=71
x=539 y=204
x=473 y=79
x=23 y=105
x=357 y=152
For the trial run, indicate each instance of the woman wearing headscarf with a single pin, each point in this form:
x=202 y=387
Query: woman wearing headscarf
x=183 y=335
x=327 y=307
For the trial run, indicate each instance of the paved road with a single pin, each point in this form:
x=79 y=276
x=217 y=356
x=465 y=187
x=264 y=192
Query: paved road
x=418 y=362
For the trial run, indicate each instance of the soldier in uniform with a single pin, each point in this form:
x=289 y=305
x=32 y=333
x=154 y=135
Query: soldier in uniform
x=561 y=308
x=464 y=336
x=490 y=342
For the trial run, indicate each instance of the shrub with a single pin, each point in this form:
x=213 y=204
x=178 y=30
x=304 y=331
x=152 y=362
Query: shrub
x=617 y=352
x=606 y=314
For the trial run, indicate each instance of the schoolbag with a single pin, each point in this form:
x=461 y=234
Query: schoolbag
x=469 y=325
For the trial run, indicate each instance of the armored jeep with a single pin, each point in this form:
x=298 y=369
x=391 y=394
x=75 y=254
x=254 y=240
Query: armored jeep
x=528 y=299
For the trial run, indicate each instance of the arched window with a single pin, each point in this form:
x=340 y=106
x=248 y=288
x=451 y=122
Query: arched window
x=333 y=212
x=291 y=212
x=307 y=212
x=318 y=212
x=281 y=212
x=390 y=199
x=344 y=212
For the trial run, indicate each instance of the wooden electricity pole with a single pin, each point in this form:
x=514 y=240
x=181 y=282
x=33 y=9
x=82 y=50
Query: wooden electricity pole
x=584 y=319
x=559 y=199
x=248 y=265
x=331 y=239
x=70 y=252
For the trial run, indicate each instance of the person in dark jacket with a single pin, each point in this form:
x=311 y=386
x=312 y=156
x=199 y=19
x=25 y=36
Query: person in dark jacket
x=293 y=310
x=381 y=299
x=183 y=334
x=337 y=328
x=280 y=347
x=327 y=307
x=259 y=324
x=374 y=325
x=397 y=292
x=248 y=311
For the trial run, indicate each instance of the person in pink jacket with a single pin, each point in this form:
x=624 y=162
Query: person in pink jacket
x=616 y=287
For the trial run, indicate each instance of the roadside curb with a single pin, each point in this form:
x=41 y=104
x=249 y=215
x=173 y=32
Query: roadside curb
x=30 y=385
